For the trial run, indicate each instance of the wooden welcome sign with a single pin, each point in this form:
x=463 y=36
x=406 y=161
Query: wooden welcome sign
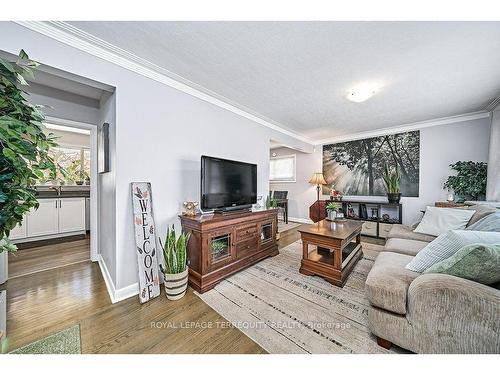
x=145 y=239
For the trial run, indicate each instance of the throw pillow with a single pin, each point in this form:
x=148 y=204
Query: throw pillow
x=448 y=244
x=438 y=220
x=490 y=223
x=476 y=262
x=481 y=210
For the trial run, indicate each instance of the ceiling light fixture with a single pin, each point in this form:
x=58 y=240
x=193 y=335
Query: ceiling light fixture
x=361 y=93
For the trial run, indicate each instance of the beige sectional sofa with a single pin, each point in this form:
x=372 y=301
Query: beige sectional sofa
x=429 y=313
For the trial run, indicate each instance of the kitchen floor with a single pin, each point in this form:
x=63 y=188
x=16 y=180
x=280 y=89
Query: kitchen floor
x=42 y=258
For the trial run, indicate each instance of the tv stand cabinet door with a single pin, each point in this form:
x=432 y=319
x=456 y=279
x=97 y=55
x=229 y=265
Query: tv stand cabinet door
x=220 y=249
x=267 y=233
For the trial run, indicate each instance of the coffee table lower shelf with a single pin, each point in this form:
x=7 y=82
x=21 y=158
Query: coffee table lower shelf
x=321 y=262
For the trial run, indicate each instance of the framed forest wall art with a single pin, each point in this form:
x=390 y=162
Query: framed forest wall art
x=355 y=167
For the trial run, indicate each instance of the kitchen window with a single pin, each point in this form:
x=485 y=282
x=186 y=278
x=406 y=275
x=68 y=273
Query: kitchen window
x=282 y=169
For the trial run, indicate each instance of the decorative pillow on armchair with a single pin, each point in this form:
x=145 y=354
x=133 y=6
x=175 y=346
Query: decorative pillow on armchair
x=438 y=220
x=448 y=244
x=476 y=262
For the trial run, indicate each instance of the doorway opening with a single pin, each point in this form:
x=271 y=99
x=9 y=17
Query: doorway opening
x=63 y=231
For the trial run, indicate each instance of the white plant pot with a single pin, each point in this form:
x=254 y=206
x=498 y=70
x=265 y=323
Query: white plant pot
x=176 y=284
x=3 y=267
x=332 y=215
x=3 y=315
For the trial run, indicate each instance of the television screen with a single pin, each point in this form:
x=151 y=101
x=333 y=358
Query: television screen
x=227 y=183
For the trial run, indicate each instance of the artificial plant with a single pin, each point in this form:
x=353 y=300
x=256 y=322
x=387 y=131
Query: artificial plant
x=470 y=180
x=333 y=206
x=392 y=179
x=24 y=146
x=174 y=252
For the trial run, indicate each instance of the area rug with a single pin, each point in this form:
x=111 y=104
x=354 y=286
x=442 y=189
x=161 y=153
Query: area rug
x=282 y=226
x=286 y=312
x=64 y=342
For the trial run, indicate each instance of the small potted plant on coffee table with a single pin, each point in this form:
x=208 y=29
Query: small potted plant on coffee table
x=175 y=272
x=392 y=179
x=332 y=208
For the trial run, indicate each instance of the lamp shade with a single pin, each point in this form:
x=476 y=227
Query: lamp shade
x=317 y=179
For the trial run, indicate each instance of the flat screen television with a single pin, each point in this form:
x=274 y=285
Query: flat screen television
x=227 y=185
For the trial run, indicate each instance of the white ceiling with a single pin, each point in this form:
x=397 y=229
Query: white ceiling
x=298 y=73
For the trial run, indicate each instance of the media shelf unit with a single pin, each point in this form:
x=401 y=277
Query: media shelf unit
x=221 y=245
x=372 y=226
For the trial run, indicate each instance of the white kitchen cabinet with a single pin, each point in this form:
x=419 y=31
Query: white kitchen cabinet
x=20 y=231
x=45 y=220
x=55 y=217
x=71 y=215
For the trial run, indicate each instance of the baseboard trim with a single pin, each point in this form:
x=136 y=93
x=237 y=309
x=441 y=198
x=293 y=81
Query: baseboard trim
x=110 y=286
x=299 y=220
x=116 y=295
x=127 y=292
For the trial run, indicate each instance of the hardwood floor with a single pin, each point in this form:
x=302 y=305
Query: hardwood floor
x=35 y=259
x=47 y=302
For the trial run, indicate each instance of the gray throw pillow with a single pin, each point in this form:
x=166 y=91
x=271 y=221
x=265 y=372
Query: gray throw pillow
x=490 y=223
x=448 y=244
x=476 y=262
x=482 y=210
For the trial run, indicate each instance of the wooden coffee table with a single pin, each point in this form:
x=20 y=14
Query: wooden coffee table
x=334 y=254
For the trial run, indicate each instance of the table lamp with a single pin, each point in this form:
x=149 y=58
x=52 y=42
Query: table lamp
x=318 y=180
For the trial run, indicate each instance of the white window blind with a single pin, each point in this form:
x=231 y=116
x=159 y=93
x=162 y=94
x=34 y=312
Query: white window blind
x=282 y=169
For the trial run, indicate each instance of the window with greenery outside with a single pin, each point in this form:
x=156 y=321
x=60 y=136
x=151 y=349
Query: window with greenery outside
x=24 y=146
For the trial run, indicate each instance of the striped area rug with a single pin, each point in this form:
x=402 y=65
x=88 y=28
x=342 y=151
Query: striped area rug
x=287 y=312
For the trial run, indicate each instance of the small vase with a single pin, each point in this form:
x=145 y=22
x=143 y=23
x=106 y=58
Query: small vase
x=393 y=197
x=176 y=284
x=332 y=214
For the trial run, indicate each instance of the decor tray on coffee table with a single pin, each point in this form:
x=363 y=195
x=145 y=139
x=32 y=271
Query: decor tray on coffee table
x=338 y=248
x=222 y=244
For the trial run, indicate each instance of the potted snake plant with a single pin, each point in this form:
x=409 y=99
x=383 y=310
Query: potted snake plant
x=175 y=271
x=392 y=179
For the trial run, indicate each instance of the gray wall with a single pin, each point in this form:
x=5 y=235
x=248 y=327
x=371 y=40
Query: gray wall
x=493 y=188
x=160 y=135
x=439 y=147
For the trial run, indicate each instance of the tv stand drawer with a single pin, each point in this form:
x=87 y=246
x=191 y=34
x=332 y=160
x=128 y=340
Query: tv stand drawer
x=244 y=233
x=247 y=247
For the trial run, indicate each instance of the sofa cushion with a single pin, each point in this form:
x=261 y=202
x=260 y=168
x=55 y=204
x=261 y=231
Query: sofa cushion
x=438 y=220
x=388 y=281
x=481 y=211
x=402 y=246
x=476 y=262
x=407 y=233
x=489 y=223
x=448 y=244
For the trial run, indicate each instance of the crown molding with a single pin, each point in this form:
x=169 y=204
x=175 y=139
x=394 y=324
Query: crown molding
x=405 y=127
x=76 y=38
x=493 y=105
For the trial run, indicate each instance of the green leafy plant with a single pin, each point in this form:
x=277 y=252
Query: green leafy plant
x=392 y=179
x=271 y=202
x=24 y=147
x=174 y=251
x=332 y=206
x=75 y=172
x=470 y=180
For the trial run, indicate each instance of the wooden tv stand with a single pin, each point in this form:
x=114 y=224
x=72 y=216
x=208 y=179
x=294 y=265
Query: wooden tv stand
x=221 y=245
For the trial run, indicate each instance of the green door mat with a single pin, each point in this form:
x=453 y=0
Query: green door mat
x=64 y=342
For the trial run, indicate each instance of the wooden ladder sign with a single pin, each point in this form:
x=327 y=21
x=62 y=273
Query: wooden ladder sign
x=145 y=239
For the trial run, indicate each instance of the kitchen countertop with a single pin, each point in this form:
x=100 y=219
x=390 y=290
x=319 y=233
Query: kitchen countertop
x=67 y=191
